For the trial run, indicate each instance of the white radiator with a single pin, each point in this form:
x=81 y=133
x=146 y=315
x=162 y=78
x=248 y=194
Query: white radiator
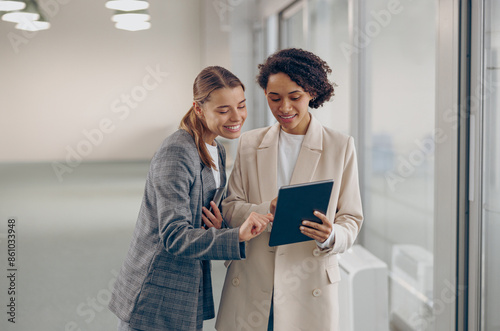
x=411 y=288
x=363 y=291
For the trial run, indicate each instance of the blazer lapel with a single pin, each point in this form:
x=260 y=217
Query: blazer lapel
x=267 y=162
x=222 y=165
x=310 y=153
x=207 y=184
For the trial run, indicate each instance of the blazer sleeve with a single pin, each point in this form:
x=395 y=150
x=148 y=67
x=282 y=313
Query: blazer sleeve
x=174 y=175
x=235 y=207
x=349 y=215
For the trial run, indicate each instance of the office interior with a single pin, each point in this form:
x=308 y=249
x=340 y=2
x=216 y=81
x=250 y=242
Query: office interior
x=85 y=104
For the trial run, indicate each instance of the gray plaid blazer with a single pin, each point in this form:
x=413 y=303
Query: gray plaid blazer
x=165 y=282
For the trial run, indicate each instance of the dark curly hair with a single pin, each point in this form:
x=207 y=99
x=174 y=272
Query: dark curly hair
x=304 y=68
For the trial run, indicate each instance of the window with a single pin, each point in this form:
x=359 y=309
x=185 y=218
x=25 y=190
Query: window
x=399 y=45
x=491 y=160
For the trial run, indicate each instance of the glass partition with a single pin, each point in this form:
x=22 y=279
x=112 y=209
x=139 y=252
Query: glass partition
x=491 y=176
x=293 y=26
x=399 y=44
x=399 y=47
x=328 y=33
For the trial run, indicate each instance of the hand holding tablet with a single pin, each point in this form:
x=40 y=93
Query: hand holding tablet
x=297 y=203
x=320 y=232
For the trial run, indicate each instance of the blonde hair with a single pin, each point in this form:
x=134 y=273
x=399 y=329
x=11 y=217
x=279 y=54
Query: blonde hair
x=208 y=80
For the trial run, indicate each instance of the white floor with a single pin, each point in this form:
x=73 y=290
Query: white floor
x=72 y=237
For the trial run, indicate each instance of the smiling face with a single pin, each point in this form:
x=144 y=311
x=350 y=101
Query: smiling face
x=289 y=103
x=224 y=113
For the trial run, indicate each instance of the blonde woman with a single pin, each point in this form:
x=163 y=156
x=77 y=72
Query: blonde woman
x=165 y=281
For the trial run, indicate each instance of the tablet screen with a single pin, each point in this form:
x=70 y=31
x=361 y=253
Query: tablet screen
x=297 y=203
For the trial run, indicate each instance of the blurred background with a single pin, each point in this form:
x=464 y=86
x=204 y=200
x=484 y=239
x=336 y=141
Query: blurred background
x=86 y=103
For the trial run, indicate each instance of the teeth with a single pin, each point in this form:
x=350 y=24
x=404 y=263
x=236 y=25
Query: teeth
x=233 y=127
x=287 y=117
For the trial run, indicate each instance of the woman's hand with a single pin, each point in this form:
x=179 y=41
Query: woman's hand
x=316 y=231
x=212 y=220
x=254 y=225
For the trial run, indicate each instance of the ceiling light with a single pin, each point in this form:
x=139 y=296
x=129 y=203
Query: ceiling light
x=127 y=5
x=11 y=5
x=132 y=21
x=38 y=25
x=33 y=26
x=133 y=26
x=135 y=16
x=130 y=18
x=30 y=13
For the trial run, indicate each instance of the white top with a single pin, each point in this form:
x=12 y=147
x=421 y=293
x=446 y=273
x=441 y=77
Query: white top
x=214 y=153
x=288 y=152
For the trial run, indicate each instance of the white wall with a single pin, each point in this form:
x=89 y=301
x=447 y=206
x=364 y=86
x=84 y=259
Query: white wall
x=215 y=33
x=57 y=84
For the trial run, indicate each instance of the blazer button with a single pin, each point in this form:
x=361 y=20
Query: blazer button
x=317 y=292
x=236 y=282
x=316 y=252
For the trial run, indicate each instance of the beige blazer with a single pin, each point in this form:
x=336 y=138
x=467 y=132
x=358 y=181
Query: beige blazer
x=304 y=277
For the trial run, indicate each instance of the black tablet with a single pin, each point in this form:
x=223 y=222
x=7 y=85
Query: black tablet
x=219 y=193
x=297 y=203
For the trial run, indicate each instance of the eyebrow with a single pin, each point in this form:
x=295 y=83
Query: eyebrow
x=288 y=92
x=225 y=106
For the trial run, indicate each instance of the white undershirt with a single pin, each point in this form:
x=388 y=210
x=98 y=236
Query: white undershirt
x=288 y=152
x=214 y=153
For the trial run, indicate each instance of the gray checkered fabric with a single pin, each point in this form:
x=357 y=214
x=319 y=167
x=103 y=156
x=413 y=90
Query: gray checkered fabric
x=165 y=282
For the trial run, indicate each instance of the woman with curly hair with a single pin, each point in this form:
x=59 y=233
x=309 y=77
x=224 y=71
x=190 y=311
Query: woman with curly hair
x=295 y=286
